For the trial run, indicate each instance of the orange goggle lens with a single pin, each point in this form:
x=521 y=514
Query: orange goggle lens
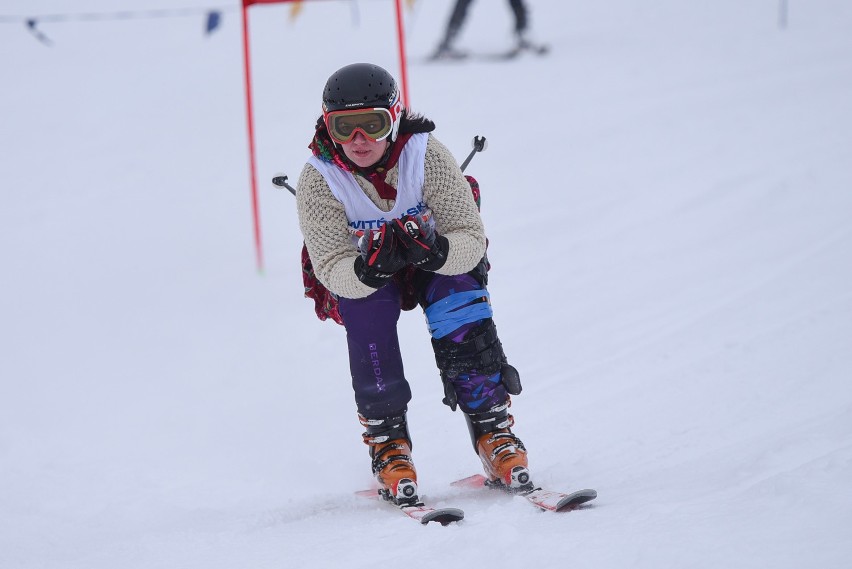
x=375 y=124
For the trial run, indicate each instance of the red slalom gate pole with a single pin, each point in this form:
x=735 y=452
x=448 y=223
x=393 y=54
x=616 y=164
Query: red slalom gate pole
x=258 y=247
x=400 y=36
x=400 y=31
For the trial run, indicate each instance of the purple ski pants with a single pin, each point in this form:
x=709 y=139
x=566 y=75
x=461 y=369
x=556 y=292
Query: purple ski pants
x=378 y=376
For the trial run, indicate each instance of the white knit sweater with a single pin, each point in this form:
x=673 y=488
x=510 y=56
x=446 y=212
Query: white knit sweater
x=325 y=226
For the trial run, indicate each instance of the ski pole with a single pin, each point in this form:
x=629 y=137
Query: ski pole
x=281 y=182
x=479 y=144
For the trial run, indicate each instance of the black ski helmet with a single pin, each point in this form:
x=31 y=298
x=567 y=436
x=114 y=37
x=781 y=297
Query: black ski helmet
x=362 y=85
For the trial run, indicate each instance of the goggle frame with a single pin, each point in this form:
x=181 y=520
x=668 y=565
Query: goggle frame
x=392 y=114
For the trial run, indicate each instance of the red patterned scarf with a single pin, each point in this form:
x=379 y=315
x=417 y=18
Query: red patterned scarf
x=324 y=149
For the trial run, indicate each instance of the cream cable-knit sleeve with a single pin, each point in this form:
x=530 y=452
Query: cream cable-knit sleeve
x=447 y=193
x=325 y=227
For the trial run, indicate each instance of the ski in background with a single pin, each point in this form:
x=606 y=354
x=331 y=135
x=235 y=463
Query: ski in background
x=524 y=47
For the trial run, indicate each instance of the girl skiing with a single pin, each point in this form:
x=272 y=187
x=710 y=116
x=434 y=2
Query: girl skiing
x=389 y=222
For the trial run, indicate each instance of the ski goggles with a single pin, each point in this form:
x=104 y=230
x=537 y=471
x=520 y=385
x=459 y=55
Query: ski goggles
x=376 y=124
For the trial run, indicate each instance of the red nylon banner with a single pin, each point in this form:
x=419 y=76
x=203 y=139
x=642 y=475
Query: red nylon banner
x=250 y=2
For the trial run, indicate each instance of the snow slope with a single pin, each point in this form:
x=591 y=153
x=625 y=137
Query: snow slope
x=667 y=198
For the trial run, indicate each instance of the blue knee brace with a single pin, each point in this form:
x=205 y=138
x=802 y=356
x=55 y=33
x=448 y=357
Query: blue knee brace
x=454 y=311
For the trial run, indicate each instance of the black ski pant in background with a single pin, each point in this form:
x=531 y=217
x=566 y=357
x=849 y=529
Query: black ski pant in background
x=459 y=14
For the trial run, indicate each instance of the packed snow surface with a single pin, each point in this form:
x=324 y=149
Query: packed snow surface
x=667 y=197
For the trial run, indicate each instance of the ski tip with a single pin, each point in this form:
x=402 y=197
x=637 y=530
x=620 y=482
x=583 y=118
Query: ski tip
x=573 y=500
x=443 y=516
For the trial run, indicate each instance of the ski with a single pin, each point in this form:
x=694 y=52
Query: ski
x=448 y=55
x=558 y=501
x=544 y=499
x=454 y=55
x=418 y=510
x=526 y=47
x=425 y=514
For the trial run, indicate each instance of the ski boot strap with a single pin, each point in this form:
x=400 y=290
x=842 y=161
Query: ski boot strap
x=482 y=351
x=386 y=429
x=495 y=419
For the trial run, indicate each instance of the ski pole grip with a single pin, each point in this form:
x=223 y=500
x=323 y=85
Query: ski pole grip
x=479 y=144
x=280 y=181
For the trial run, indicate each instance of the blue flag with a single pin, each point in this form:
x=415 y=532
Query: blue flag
x=213 y=19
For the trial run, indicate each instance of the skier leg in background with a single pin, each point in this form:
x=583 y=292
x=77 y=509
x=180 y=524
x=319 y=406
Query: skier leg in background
x=447 y=50
x=521 y=22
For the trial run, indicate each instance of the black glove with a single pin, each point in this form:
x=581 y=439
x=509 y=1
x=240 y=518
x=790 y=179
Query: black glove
x=381 y=256
x=421 y=244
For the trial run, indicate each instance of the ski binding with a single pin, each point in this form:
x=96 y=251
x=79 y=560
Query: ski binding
x=414 y=508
